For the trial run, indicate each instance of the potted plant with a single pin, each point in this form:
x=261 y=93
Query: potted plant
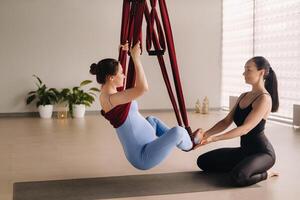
x=78 y=98
x=44 y=97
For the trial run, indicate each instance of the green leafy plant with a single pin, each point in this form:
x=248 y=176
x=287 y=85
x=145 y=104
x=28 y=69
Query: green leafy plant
x=77 y=95
x=43 y=95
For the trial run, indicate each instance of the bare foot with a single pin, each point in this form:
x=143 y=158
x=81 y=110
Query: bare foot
x=197 y=136
x=272 y=174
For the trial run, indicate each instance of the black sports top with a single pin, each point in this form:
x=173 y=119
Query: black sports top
x=239 y=117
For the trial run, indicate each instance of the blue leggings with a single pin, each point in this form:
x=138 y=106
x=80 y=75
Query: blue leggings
x=158 y=147
x=168 y=138
x=182 y=138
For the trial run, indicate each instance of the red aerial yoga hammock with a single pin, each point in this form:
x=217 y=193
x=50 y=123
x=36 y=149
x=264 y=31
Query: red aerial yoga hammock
x=131 y=31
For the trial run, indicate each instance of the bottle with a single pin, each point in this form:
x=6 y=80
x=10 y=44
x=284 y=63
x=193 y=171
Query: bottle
x=205 y=106
x=198 y=106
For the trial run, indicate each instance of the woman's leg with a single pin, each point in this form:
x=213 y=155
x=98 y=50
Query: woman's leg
x=155 y=152
x=252 y=169
x=159 y=126
x=220 y=160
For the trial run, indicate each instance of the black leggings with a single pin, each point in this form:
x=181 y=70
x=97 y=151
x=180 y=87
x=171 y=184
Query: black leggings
x=244 y=169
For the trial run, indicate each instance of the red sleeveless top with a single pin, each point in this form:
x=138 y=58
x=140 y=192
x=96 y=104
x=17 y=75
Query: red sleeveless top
x=117 y=115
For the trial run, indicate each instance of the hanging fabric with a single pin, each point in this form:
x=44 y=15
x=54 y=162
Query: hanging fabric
x=159 y=36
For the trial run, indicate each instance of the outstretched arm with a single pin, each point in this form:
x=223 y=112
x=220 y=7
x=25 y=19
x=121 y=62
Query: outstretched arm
x=224 y=123
x=259 y=109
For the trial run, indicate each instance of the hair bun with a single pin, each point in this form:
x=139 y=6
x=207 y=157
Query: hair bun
x=93 y=69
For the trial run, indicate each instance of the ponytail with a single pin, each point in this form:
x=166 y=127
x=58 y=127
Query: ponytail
x=270 y=79
x=271 y=86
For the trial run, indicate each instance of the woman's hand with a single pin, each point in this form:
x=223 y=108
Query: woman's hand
x=205 y=135
x=136 y=51
x=124 y=47
x=208 y=140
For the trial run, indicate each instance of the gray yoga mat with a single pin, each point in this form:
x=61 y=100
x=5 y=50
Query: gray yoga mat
x=120 y=186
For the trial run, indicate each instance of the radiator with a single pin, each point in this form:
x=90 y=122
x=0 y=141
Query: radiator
x=296 y=115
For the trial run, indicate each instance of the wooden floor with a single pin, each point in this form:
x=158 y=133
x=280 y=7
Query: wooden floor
x=36 y=149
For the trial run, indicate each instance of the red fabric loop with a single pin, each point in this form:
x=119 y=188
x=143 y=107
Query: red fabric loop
x=132 y=18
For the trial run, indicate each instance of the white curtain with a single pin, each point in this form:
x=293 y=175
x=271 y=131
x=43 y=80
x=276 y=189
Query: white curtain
x=237 y=46
x=269 y=28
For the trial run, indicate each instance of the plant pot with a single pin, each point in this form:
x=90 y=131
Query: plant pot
x=45 y=111
x=78 y=110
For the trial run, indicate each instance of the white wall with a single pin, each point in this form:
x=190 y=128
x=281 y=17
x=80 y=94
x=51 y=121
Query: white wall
x=59 y=39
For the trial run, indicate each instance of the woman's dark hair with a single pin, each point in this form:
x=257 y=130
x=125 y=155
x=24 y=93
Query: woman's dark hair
x=104 y=68
x=270 y=79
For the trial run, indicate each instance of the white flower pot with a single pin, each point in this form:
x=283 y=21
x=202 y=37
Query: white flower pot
x=45 y=111
x=78 y=110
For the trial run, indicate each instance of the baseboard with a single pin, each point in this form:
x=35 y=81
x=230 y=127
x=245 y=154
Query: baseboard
x=25 y=114
x=90 y=112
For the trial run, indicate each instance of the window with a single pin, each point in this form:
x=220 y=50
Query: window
x=269 y=28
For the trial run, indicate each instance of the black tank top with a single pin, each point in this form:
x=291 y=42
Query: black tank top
x=251 y=138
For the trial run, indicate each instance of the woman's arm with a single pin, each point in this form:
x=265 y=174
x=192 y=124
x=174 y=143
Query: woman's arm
x=141 y=84
x=221 y=125
x=259 y=109
x=224 y=123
